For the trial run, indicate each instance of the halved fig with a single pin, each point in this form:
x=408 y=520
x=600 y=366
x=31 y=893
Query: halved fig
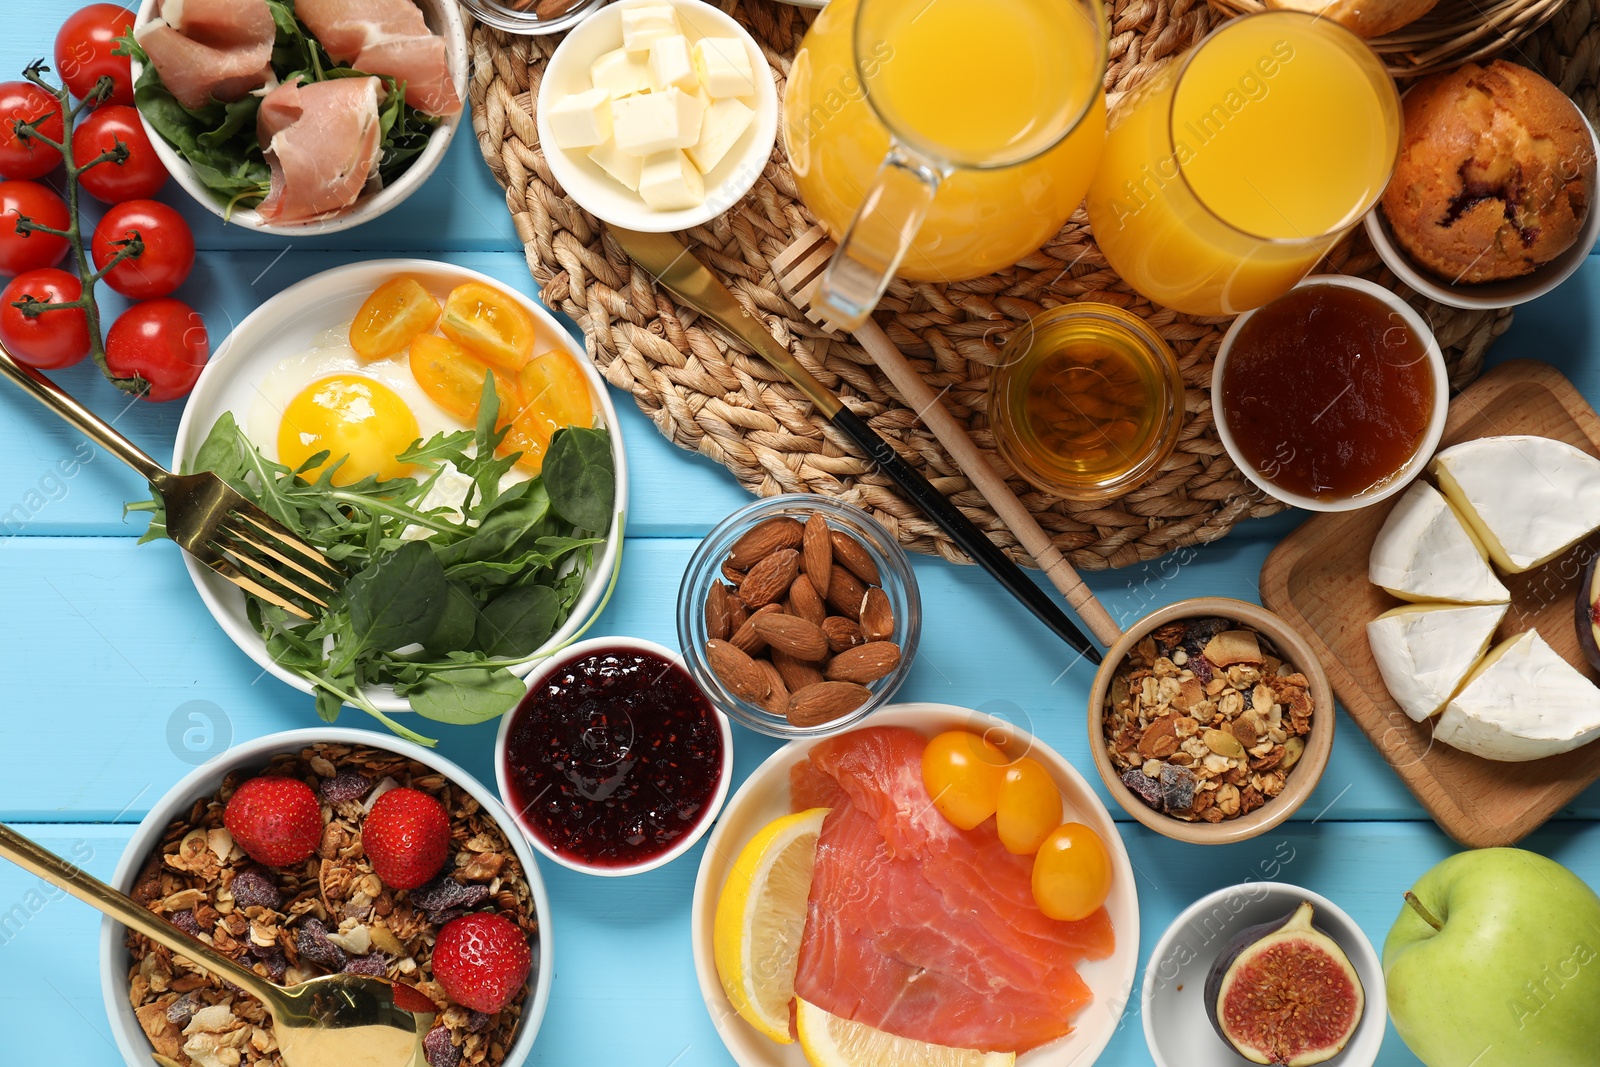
x=1588 y=614
x=1284 y=993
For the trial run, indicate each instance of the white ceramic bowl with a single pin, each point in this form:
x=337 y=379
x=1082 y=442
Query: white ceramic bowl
x=444 y=18
x=765 y=796
x=1176 y=1026
x=596 y=191
x=1413 y=467
x=1506 y=293
x=684 y=844
x=290 y=323
x=204 y=781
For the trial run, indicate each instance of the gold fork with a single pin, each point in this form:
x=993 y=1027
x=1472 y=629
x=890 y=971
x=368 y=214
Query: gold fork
x=207 y=517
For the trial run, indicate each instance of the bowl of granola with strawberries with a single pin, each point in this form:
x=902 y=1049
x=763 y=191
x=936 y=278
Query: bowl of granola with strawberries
x=322 y=851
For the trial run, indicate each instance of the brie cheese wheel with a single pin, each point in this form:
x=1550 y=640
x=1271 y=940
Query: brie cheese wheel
x=1527 y=498
x=1425 y=651
x=1426 y=552
x=1523 y=702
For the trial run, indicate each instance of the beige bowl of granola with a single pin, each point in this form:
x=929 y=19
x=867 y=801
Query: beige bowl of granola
x=328 y=913
x=1211 y=720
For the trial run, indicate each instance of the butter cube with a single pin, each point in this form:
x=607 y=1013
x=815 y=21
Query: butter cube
x=645 y=23
x=669 y=182
x=581 y=120
x=725 y=122
x=623 y=166
x=670 y=65
x=621 y=74
x=723 y=66
x=655 y=122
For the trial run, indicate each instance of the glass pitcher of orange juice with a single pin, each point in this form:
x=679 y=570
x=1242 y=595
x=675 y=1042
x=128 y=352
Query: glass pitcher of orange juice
x=942 y=139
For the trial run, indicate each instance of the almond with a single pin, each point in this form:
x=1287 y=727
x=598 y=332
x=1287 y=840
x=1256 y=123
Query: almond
x=877 y=616
x=825 y=702
x=866 y=663
x=738 y=614
x=854 y=555
x=792 y=635
x=732 y=574
x=719 y=613
x=763 y=539
x=796 y=674
x=804 y=601
x=771 y=578
x=842 y=634
x=747 y=638
x=817 y=553
x=738 y=672
x=845 y=592
x=777 y=701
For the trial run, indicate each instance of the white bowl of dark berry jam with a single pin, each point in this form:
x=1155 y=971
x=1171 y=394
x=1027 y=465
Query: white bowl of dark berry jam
x=616 y=762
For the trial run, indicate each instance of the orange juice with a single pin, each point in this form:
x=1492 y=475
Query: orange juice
x=1227 y=176
x=972 y=83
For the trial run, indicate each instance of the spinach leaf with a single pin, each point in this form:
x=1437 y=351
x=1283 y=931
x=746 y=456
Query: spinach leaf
x=398 y=599
x=457 y=622
x=467 y=695
x=580 y=478
x=514 y=520
x=516 y=623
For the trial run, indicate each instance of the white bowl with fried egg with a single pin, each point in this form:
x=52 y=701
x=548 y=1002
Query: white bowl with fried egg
x=301 y=336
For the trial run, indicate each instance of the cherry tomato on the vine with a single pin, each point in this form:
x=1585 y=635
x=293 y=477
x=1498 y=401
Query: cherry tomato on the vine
x=22 y=252
x=1029 y=807
x=165 y=259
x=1071 y=873
x=30 y=157
x=84 y=51
x=962 y=773
x=137 y=177
x=164 y=342
x=51 y=339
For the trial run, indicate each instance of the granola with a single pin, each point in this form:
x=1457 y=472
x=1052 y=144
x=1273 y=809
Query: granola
x=331 y=913
x=1205 y=721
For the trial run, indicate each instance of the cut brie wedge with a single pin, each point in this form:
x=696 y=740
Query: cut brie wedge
x=1425 y=651
x=1425 y=552
x=1527 y=498
x=1523 y=702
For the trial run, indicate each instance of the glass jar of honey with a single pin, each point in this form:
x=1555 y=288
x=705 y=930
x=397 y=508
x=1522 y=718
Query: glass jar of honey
x=1087 y=401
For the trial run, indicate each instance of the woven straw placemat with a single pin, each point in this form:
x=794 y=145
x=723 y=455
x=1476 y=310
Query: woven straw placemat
x=707 y=393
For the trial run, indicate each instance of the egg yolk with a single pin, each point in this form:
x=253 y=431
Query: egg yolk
x=348 y=416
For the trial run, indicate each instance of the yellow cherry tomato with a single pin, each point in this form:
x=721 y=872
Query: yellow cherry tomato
x=553 y=383
x=1071 y=873
x=1029 y=807
x=489 y=323
x=453 y=378
x=397 y=311
x=962 y=772
x=529 y=438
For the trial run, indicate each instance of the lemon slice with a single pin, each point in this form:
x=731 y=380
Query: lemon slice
x=761 y=916
x=829 y=1041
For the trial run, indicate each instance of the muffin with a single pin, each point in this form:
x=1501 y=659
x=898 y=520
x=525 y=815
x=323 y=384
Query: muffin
x=1495 y=176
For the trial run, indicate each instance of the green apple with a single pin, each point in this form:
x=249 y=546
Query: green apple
x=1495 y=962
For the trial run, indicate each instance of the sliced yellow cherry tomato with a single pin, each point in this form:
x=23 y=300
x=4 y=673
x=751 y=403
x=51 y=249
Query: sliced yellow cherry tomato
x=397 y=311
x=1071 y=873
x=1029 y=807
x=962 y=773
x=529 y=438
x=490 y=323
x=553 y=383
x=453 y=378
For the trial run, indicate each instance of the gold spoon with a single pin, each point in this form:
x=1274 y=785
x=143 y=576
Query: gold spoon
x=337 y=1020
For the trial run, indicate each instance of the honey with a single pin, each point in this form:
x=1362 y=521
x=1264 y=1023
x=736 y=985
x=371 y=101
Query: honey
x=1087 y=402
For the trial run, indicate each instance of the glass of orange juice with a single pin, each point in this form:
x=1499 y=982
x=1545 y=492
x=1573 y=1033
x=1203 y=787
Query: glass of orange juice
x=942 y=139
x=1231 y=172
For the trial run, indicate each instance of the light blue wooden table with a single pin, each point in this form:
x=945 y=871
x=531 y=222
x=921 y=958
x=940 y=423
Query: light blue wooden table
x=111 y=662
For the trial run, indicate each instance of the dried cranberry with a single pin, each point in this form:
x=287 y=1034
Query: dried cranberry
x=444 y=898
x=1178 y=786
x=180 y=1011
x=185 y=921
x=375 y=964
x=479 y=1021
x=254 y=887
x=438 y=1049
x=314 y=946
x=346 y=785
x=1145 y=788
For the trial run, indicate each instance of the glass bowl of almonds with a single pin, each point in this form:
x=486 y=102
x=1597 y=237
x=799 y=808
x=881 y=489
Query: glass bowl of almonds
x=1211 y=720
x=798 y=615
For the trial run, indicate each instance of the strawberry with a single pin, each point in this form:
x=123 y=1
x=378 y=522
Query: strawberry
x=277 y=821
x=410 y=998
x=407 y=838
x=481 y=960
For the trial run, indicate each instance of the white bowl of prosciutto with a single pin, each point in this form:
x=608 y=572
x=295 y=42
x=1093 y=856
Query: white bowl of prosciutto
x=300 y=116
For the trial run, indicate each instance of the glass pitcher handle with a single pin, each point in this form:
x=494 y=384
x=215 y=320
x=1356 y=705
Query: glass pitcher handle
x=878 y=238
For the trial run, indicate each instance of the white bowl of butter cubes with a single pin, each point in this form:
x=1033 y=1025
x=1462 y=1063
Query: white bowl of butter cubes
x=657 y=115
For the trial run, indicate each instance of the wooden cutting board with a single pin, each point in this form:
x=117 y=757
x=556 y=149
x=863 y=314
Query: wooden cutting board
x=1317 y=580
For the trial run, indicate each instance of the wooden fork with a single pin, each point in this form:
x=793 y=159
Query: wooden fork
x=207 y=517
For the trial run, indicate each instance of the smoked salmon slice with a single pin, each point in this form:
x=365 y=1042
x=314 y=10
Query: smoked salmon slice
x=921 y=929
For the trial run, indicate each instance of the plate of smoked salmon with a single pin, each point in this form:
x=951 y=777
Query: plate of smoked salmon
x=881 y=921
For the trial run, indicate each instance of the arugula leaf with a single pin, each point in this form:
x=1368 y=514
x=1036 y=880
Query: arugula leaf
x=468 y=695
x=580 y=478
x=398 y=599
x=516 y=623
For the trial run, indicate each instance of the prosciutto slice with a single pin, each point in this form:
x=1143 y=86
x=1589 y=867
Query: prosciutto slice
x=321 y=141
x=209 y=50
x=386 y=37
